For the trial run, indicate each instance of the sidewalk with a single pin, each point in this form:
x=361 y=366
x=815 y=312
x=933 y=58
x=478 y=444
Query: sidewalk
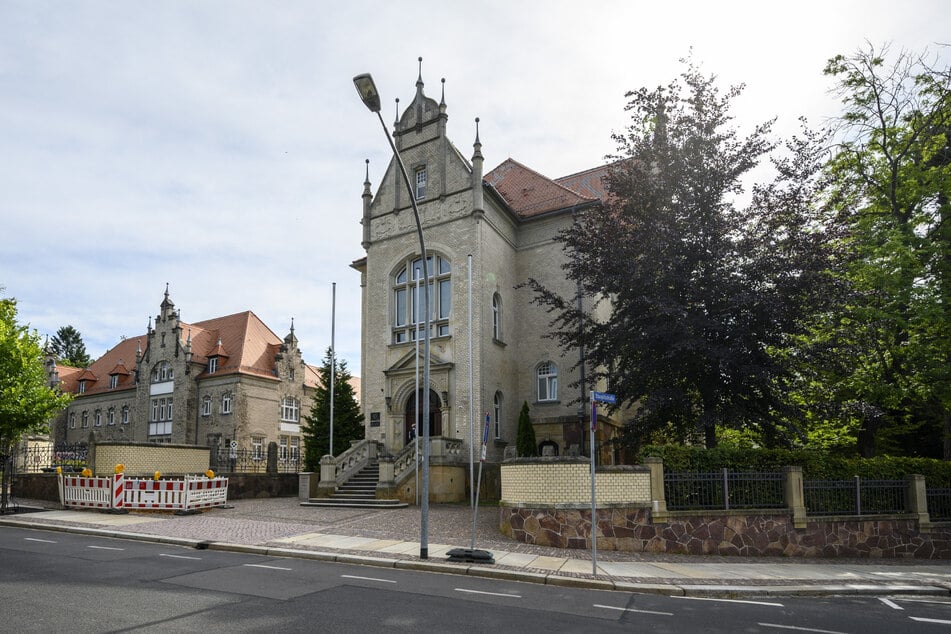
x=390 y=538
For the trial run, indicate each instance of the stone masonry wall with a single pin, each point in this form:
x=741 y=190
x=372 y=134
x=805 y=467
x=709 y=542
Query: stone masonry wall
x=631 y=529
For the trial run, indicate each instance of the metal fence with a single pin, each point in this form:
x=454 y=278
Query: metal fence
x=939 y=505
x=854 y=497
x=224 y=460
x=724 y=490
x=45 y=457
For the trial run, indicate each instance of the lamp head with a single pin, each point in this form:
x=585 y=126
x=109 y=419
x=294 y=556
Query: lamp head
x=367 y=90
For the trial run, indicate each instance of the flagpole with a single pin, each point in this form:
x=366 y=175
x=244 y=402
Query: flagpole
x=472 y=488
x=333 y=359
x=416 y=397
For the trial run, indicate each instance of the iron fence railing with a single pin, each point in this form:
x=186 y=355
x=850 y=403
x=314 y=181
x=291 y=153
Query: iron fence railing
x=939 y=505
x=226 y=460
x=45 y=457
x=857 y=496
x=724 y=490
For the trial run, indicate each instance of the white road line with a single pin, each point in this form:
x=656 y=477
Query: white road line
x=767 y=603
x=924 y=620
x=368 y=578
x=914 y=600
x=611 y=607
x=179 y=556
x=493 y=594
x=105 y=548
x=267 y=567
x=798 y=629
x=34 y=539
x=890 y=603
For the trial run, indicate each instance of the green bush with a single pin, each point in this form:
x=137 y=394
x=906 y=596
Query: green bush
x=816 y=464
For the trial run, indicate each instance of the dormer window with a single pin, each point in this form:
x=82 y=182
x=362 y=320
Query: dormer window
x=212 y=365
x=82 y=387
x=421 y=183
x=113 y=381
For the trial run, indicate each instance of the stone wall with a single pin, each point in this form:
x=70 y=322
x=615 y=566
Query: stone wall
x=631 y=529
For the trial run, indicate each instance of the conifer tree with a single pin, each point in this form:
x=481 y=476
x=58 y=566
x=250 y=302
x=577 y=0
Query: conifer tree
x=348 y=420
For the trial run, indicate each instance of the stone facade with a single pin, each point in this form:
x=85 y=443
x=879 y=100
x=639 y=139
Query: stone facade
x=206 y=383
x=632 y=529
x=507 y=222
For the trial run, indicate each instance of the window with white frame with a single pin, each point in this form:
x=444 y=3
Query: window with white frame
x=420 y=182
x=162 y=415
x=111 y=416
x=82 y=386
x=547 y=374
x=113 y=381
x=163 y=372
x=282 y=448
x=409 y=302
x=97 y=418
x=497 y=414
x=257 y=447
x=295 y=448
x=226 y=403
x=206 y=406
x=85 y=419
x=290 y=410
x=212 y=365
x=125 y=415
x=72 y=420
x=497 y=317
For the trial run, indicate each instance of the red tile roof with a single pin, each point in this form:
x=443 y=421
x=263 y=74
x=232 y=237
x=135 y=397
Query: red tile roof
x=529 y=194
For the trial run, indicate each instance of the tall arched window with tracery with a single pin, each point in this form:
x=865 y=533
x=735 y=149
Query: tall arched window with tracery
x=408 y=303
x=497 y=317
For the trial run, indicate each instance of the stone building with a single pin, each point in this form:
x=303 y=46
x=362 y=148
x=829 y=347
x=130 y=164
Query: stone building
x=206 y=383
x=506 y=220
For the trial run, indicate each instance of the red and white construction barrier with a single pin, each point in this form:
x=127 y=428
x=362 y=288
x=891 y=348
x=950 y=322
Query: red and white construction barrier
x=120 y=493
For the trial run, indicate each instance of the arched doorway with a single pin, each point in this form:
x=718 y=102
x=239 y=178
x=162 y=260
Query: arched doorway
x=435 y=416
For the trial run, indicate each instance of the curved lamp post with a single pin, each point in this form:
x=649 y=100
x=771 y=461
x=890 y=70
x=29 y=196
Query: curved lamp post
x=371 y=98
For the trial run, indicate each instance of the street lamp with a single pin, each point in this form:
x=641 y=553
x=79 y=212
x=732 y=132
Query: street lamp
x=371 y=99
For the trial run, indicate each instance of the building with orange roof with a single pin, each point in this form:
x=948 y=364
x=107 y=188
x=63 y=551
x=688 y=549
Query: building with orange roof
x=206 y=383
x=507 y=220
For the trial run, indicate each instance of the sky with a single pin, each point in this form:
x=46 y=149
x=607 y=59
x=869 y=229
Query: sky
x=219 y=146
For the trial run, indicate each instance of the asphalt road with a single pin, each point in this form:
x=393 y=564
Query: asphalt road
x=61 y=582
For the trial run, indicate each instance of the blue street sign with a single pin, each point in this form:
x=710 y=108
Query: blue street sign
x=604 y=397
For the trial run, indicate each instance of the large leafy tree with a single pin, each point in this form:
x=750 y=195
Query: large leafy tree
x=699 y=295
x=888 y=367
x=67 y=344
x=348 y=421
x=26 y=401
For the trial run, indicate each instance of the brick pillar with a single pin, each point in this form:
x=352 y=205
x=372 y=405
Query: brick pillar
x=328 y=477
x=659 y=513
x=795 y=499
x=916 y=500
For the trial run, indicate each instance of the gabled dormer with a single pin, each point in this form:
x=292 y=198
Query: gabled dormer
x=86 y=381
x=119 y=375
x=217 y=358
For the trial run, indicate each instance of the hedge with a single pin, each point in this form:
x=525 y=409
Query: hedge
x=816 y=464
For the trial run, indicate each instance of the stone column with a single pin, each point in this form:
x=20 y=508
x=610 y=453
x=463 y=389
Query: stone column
x=916 y=500
x=795 y=499
x=659 y=514
x=386 y=487
x=328 y=477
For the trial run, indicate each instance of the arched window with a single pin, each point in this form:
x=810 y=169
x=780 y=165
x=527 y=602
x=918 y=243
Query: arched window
x=497 y=317
x=290 y=410
x=547 y=374
x=206 y=406
x=226 y=403
x=111 y=416
x=163 y=372
x=408 y=303
x=497 y=414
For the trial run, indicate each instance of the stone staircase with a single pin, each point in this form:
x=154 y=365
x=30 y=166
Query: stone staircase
x=358 y=492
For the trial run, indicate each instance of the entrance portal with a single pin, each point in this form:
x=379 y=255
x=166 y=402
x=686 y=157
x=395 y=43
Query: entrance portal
x=435 y=416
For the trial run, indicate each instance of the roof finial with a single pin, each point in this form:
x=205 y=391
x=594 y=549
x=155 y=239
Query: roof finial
x=368 y=172
x=420 y=79
x=477 y=131
x=166 y=290
x=442 y=101
x=396 y=122
x=292 y=325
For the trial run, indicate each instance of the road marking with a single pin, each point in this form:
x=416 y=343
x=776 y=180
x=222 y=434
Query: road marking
x=34 y=539
x=913 y=600
x=368 y=578
x=924 y=620
x=105 y=548
x=767 y=603
x=890 y=603
x=493 y=594
x=180 y=557
x=611 y=607
x=267 y=567
x=798 y=629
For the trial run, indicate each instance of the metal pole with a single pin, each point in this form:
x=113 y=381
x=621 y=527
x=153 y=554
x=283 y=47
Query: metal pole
x=416 y=397
x=333 y=359
x=424 y=514
x=472 y=493
x=594 y=510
